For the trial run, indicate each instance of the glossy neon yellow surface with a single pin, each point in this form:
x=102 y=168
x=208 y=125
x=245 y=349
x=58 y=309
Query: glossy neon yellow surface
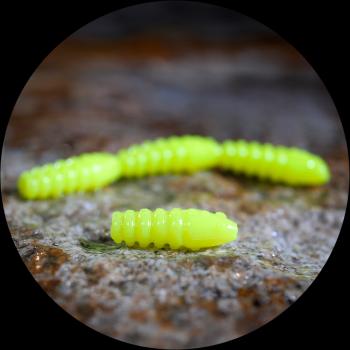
x=292 y=166
x=177 y=154
x=87 y=172
x=179 y=228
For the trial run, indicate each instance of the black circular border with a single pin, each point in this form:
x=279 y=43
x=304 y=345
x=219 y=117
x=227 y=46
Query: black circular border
x=32 y=32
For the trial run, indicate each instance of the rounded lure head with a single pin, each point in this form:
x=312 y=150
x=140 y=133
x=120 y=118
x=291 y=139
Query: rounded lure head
x=205 y=229
x=305 y=168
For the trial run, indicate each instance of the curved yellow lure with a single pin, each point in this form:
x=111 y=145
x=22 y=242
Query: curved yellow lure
x=289 y=165
x=177 y=154
x=179 y=228
x=82 y=173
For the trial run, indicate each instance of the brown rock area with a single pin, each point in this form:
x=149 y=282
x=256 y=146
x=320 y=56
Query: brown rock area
x=110 y=95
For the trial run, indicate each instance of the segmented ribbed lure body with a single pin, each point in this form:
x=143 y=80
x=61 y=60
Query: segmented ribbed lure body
x=171 y=155
x=82 y=173
x=177 y=154
x=292 y=166
x=178 y=228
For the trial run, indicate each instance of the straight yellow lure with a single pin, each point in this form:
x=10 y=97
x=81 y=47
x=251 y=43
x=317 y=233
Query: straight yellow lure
x=179 y=228
x=87 y=172
x=289 y=165
x=177 y=154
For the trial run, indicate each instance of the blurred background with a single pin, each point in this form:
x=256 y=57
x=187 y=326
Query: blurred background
x=172 y=68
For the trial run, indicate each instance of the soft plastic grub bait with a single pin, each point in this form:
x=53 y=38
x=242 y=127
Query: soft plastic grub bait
x=178 y=228
x=292 y=166
x=87 y=172
x=177 y=154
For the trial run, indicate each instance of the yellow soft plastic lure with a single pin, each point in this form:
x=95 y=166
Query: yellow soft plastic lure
x=289 y=165
x=179 y=228
x=87 y=172
x=177 y=154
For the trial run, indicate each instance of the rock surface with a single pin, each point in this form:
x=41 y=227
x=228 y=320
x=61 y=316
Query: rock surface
x=105 y=97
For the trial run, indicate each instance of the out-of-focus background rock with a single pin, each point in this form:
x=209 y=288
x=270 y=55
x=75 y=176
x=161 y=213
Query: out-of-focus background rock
x=157 y=70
